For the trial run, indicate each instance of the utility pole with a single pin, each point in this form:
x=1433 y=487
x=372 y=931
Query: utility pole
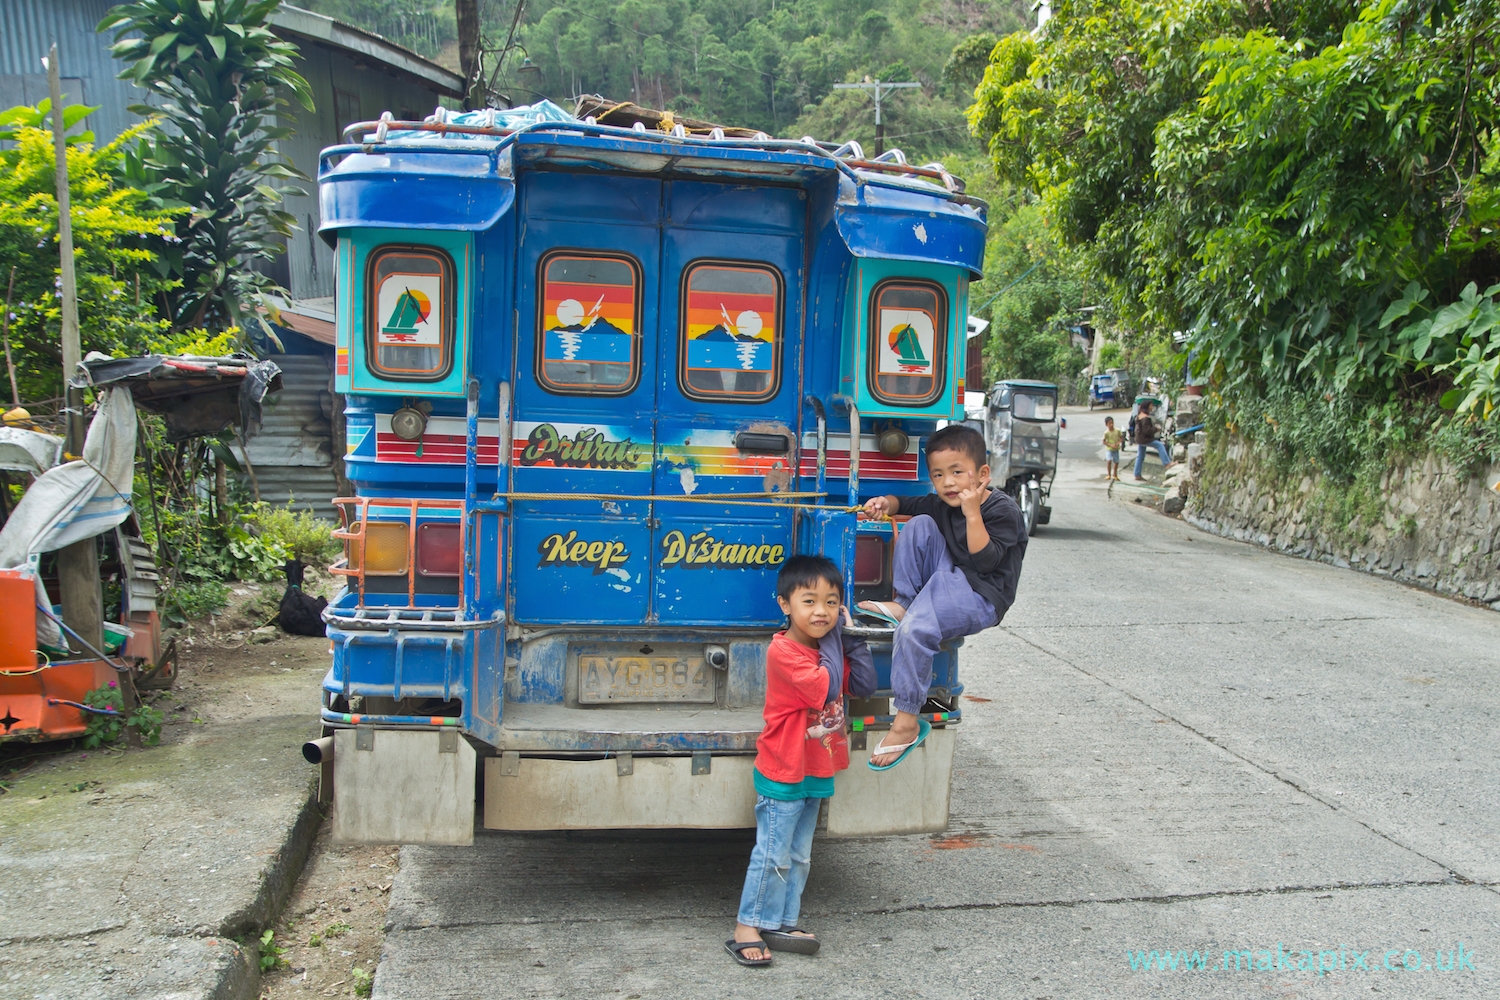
x=879 y=91
x=77 y=564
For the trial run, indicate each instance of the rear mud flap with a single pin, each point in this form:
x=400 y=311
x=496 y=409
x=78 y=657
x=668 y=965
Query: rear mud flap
x=651 y=793
x=403 y=787
x=909 y=798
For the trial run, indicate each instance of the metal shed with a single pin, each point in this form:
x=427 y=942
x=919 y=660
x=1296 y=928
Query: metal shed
x=354 y=75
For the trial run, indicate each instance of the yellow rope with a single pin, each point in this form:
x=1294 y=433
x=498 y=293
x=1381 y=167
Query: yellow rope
x=733 y=499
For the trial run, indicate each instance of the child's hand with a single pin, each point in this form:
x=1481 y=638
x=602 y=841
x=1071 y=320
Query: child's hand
x=876 y=508
x=969 y=501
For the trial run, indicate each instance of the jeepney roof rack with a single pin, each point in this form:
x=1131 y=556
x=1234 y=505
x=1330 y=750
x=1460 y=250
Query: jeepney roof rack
x=494 y=123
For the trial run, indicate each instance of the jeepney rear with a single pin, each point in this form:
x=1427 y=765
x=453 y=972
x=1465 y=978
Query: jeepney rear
x=599 y=384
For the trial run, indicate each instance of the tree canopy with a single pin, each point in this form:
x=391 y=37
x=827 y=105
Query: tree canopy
x=1309 y=188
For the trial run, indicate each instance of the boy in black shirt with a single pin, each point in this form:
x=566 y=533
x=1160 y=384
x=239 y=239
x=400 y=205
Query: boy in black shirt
x=956 y=565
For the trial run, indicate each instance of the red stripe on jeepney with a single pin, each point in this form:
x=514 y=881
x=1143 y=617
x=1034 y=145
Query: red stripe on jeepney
x=437 y=449
x=872 y=465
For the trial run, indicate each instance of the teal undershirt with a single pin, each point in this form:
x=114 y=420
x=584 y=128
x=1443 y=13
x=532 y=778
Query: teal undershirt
x=810 y=787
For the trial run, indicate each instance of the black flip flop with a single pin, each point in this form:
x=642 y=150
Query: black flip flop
x=785 y=940
x=735 y=948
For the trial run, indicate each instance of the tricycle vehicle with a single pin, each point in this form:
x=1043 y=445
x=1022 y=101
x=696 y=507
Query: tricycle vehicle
x=1021 y=430
x=601 y=381
x=1111 y=388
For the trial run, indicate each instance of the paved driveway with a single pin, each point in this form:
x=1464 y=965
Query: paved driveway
x=1174 y=743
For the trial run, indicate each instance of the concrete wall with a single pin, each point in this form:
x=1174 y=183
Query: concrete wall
x=1436 y=528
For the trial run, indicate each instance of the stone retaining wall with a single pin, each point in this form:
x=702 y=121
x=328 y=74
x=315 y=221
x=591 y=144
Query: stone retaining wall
x=1436 y=528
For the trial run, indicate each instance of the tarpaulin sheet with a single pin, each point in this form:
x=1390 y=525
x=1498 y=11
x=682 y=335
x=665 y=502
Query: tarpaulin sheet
x=77 y=500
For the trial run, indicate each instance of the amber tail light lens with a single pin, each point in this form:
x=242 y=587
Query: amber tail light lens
x=385 y=550
x=439 y=552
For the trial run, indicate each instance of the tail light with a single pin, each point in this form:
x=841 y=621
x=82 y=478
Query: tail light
x=870 y=560
x=386 y=547
x=439 y=550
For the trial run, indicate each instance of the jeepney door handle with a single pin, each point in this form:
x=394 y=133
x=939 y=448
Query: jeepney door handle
x=767 y=444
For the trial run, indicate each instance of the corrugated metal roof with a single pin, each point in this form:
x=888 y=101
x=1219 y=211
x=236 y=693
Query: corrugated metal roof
x=293 y=454
x=27 y=30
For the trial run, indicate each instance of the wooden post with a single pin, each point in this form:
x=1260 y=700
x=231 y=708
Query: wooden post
x=10 y=365
x=77 y=564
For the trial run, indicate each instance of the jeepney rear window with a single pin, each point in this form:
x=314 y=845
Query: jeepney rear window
x=730 y=344
x=588 y=332
x=908 y=335
x=410 y=315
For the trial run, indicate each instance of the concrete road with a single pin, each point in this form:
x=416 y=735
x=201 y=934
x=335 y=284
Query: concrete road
x=1173 y=744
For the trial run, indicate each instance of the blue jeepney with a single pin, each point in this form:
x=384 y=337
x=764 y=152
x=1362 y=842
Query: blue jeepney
x=600 y=382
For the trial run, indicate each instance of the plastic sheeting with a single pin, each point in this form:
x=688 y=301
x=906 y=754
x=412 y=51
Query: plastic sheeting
x=76 y=500
x=512 y=118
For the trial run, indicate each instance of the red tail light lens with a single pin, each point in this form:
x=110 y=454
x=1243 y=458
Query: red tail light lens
x=439 y=552
x=869 y=561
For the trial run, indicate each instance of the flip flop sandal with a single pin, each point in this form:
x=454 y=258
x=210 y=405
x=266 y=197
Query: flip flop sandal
x=735 y=949
x=881 y=615
x=784 y=940
x=923 y=729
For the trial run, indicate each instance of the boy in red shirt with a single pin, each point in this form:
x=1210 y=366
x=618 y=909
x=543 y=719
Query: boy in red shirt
x=797 y=753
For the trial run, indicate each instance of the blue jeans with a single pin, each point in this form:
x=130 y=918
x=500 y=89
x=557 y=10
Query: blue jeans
x=1140 y=455
x=778 y=866
x=940 y=605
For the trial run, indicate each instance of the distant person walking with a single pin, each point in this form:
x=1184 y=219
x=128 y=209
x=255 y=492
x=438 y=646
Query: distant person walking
x=1145 y=437
x=1114 y=440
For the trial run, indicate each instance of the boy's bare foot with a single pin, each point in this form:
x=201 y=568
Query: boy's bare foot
x=890 y=608
x=743 y=932
x=903 y=731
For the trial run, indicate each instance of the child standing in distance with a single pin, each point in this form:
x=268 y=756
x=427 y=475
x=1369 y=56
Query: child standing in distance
x=1114 y=440
x=956 y=566
x=797 y=754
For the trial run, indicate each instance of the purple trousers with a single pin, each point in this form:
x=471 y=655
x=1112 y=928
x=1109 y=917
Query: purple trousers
x=940 y=605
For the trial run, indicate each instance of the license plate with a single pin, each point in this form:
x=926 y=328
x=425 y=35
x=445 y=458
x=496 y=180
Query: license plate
x=605 y=678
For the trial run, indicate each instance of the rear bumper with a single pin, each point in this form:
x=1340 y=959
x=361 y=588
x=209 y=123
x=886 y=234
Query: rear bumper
x=708 y=792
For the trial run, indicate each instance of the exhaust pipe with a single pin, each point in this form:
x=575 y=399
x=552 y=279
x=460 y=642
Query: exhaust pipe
x=318 y=751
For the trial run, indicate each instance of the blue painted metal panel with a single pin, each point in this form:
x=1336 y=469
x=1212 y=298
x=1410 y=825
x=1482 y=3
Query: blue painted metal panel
x=713 y=564
x=585 y=560
x=398 y=191
x=904 y=222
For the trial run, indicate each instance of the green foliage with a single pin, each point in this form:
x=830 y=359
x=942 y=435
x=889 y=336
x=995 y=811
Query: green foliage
x=968 y=61
x=363 y=982
x=114 y=226
x=100 y=729
x=301 y=534
x=424 y=26
x=195 y=599
x=147 y=721
x=216 y=67
x=1265 y=176
x=272 y=955
x=762 y=63
x=1462 y=337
